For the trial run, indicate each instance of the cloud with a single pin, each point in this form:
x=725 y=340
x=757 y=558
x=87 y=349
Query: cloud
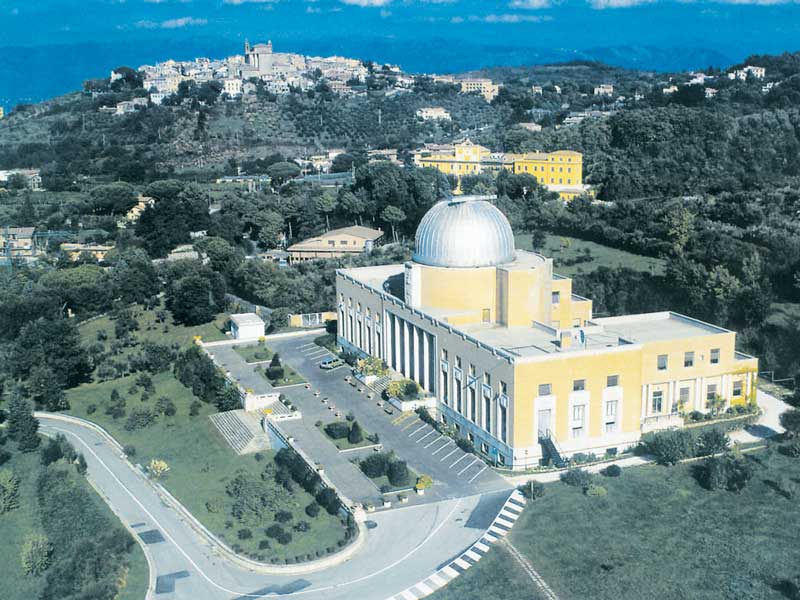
x=507 y=18
x=603 y=4
x=171 y=23
x=367 y=2
x=238 y=2
x=530 y=4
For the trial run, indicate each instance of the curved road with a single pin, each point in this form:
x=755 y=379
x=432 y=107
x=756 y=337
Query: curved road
x=401 y=546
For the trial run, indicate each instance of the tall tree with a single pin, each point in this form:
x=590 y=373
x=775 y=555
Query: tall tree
x=393 y=216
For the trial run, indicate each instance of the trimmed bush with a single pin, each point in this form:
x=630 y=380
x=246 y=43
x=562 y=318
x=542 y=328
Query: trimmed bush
x=375 y=465
x=466 y=445
x=330 y=500
x=337 y=430
x=612 y=471
x=244 y=534
x=356 y=435
x=398 y=473
x=312 y=510
x=576 y=478
x=725 y=472
x=274 y=531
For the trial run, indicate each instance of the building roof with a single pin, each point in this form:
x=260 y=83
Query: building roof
x=466 y=231
x=246 y=319
x=320 y=242
x=18 y=231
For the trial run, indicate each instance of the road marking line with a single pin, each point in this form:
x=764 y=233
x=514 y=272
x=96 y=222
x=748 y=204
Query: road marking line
x=423 y=588
x=408 y=595
x=481 y=546
x=509 y=515
x=462 y=563
x=453 y=451
x=474 y=477
x=442 y=447
x=503 y=522
x=203 y=574
x=450 y=572
x=437 y=580
x=497 y=531
x=468 y=466
x=458 y=461
x=417 y=429
x=431 y=432
x=489 y=538
x=473 y=555
x=408 y=425
x=434 y=441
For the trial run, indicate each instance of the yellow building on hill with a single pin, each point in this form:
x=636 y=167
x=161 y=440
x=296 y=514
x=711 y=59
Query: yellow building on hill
x=515 y=360
x=560 y=171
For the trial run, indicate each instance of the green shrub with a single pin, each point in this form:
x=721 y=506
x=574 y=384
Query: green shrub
x=283 y=516
x=140 y=418
x=9 y=491
x=165 y=406
x=580 y=458
x=595 y=491
x=312 y=510
x=263 y=545
x=375 y=465
x=712 y=441
x=338 y=430
x=612 y=471
x=466 y=445
x=129 y=450
x=533 y=490
x=284 y=537
x=273 y=531
x=398 y=473
x=669 y=447
x=356 y=435
x=330 y=500
x=36 y=553
x=724 y=472
x=244 y=534
x=91 y=409
x=791 y=448
x=576 y=477
x=194 y=408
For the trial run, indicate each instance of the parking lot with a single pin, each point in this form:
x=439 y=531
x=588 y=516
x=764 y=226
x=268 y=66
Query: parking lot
x=454 y=472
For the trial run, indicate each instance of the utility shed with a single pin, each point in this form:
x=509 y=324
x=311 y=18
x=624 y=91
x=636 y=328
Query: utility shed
x=246 y=326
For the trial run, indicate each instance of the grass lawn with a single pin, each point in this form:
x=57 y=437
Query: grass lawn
x=17 y=524
x=382 y=483
x=259 y=353
x=566 y=253
x=201 y=462
x=344 y=443
x=658 y=534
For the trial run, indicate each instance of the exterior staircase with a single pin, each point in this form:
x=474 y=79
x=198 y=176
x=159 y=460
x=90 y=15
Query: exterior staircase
x=380 y=385
x=241 y=430
x=551 y=450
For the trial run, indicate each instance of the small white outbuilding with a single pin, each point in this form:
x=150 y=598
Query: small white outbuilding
x=246 y=326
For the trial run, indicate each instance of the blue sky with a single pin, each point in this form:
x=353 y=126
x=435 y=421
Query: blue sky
x=422 y=35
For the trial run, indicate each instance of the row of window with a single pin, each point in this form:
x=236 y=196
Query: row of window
x=578 y=385
x=662 y=361
x=684 y=394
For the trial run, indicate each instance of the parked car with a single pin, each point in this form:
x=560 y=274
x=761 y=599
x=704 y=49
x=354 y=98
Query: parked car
x=331 y=363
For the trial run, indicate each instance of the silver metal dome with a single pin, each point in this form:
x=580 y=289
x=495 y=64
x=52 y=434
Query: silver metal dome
x=464 y=232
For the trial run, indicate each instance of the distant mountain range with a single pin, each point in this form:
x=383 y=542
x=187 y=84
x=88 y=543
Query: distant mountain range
x=32 y=74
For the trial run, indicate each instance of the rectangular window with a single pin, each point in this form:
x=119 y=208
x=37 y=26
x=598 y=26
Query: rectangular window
x=611 y=409
x=683 y=397
x=343 y=242
x=610 y=427
x=612 y=381
x=556 y=297
x=688 y=359
x=487 y=379
x=545 y=389
x=578 y=385
x=577 y=432
x=331 y=242
x=486 y=315
x=662 y=362
x=578 y=412
x=715 y=356
x=711 y=392
x=503 y=388
x=444 y=354
x=737 y=388
x=658 y=397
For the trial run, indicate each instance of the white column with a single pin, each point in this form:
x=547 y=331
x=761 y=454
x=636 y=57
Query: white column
x=748 y=382
x=398 y=343
x=644 y=401
x=406 y=348
x=699 y=399
x=426 y=353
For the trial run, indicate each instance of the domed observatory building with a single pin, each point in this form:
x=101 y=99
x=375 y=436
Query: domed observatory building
x=515 y=360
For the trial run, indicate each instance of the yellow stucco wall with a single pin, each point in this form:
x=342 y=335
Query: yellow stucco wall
x=458 y=290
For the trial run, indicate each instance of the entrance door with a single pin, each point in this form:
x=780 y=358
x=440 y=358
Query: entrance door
x=544 y=422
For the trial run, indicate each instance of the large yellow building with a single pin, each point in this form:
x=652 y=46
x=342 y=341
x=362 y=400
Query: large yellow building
x=560 y=171
x=516 y=361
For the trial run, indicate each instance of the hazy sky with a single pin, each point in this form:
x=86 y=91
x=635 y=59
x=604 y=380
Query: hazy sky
x=743 y=25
